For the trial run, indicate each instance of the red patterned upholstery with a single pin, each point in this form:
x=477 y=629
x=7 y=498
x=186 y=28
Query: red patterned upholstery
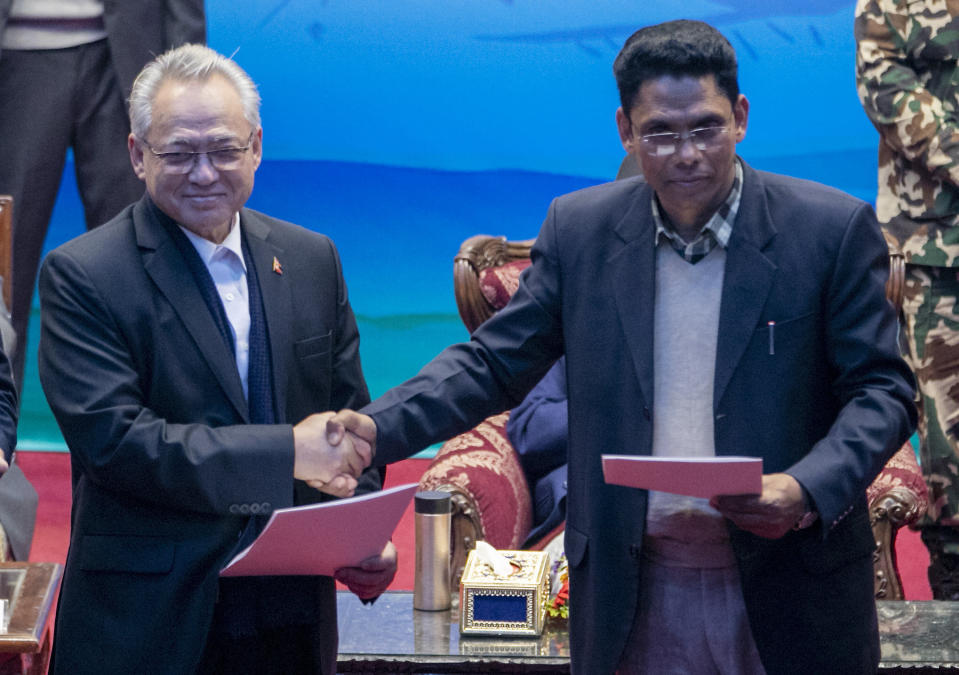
x=483 y=464
x=901 y=471
x=499 y=283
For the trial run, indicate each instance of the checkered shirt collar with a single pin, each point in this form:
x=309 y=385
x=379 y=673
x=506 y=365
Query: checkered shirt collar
x=717 y=229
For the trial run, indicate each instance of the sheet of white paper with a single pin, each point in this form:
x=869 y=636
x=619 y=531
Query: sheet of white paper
x=322 y=538
x=692 y=476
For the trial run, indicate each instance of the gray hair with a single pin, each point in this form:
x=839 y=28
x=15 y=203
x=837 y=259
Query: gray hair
x=188 y=62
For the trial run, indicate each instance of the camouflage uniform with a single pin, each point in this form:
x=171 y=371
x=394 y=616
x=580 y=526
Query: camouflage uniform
x=907 y=68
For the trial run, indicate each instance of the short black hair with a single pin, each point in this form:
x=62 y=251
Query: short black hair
x=675 y=48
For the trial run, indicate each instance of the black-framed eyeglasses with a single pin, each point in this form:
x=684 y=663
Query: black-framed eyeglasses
x=664 y=144
x=222 y=159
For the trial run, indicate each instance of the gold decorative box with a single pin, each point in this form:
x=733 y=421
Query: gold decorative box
x=491 y=604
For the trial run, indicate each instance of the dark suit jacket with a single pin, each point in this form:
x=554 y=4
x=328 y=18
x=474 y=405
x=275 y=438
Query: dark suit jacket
x=138 y=30
x=829 y=406
x=538 y=429
x=166 y=467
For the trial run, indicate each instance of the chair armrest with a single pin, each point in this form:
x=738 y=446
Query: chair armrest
x=491 y=498
x=896 y=498
x=899 y=492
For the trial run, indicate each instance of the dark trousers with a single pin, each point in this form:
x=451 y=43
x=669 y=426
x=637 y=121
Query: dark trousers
x=264 y=625
x=291 y=650
x=54 y=100
x=943 y=544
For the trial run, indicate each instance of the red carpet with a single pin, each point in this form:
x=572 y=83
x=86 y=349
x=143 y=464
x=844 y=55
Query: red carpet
x=50 y=474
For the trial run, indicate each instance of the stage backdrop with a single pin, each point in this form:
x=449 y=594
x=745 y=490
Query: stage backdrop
x=401 y=127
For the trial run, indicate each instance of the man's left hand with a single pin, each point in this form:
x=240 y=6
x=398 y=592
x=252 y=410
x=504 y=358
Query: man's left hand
x=770 y=514
x=372 y=576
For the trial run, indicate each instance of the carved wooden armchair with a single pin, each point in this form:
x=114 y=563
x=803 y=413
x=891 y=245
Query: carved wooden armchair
x=491 y=496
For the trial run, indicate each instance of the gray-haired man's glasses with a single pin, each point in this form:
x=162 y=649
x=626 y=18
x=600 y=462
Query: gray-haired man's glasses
x=661 y=145
x=222 y=159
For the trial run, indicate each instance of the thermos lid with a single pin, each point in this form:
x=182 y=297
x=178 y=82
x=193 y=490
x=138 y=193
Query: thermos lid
x=432 y=502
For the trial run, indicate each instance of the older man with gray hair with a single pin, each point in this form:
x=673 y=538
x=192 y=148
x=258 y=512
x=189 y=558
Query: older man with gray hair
x=186 y=348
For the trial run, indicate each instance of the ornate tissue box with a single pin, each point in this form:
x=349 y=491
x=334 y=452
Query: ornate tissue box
x=515 y=604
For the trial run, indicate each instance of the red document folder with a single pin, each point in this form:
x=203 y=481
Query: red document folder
x=692 y=476
x=322 y=538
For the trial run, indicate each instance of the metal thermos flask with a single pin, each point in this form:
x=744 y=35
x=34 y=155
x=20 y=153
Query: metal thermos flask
x=431 y=585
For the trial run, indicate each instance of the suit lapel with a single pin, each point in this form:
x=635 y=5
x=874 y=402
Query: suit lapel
x=634 y=276
x=749 y=277
x=277 y=301
x=163 y=262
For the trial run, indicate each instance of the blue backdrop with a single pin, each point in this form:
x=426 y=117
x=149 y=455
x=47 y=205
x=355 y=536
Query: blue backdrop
x=401 y=127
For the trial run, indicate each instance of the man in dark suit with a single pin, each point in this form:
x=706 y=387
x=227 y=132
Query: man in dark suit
x=180 y=343
x=66 y=68
x=712 y=310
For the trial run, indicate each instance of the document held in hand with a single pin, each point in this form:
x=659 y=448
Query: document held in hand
x=692 y=476
x=322 y=538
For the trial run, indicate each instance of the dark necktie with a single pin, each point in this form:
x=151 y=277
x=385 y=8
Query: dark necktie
x=260 y=375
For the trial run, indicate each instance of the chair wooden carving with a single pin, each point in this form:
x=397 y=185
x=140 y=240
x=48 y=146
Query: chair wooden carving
x=491 y=498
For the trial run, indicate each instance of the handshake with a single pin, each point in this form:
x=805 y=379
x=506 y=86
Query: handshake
x=331 y=450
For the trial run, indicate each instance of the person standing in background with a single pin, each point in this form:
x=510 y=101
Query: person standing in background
x=907 y=65
x=66 y=69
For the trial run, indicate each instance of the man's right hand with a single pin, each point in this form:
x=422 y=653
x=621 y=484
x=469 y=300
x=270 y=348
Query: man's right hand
x=330 y=466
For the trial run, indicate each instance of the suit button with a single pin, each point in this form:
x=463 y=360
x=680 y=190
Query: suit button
x=634 y=551
x=234 y=509
x=254 y=508
x=265 y=507
x=245 y=509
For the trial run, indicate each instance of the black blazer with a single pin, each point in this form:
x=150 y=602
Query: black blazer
x=166 y=467
x=829 y=406
x=138 y=30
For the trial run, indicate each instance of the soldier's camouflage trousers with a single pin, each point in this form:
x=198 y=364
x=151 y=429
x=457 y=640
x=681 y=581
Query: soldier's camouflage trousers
x=931 y=312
